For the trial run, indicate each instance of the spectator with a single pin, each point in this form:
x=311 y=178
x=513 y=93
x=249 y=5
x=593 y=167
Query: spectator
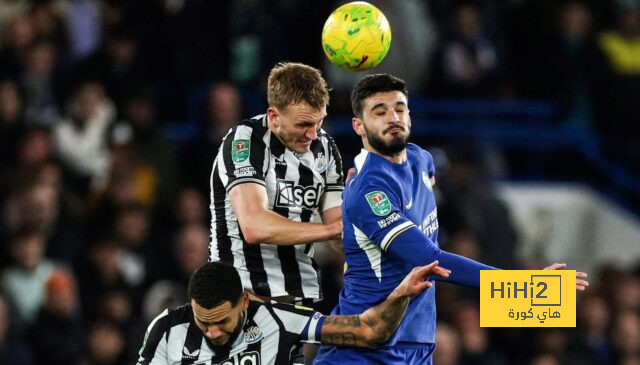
x=467 y=63
x=223 y=108
x=56 y=335
x=13 y=349
x=594 y=321
x=105 y=345
x=81 y=137
x=24 y=281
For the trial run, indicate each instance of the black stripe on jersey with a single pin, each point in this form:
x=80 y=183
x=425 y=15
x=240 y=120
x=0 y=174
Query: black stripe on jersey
x=305 y=216
x=192 y=343
x=306 y=175
x=162 y=327
x=286 y=254
x=255 y=266
x=222 y=233
x=226 y=152
x=256 y=155
x=338 y=159
x=286 y=341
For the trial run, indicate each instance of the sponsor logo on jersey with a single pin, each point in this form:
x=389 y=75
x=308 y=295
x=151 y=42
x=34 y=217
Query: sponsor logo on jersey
x=383 y=223
x=243 y=358
x=240 y=149
x=244 y=171
x=378 y=202
x=289 y=195
x=253 y=334
x=320 y=163
x=427 y=181
x=190 y=355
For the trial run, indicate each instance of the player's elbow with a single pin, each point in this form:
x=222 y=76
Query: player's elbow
x=252 y=235
x=373 y=337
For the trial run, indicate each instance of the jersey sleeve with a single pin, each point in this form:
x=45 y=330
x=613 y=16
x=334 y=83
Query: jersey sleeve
x=375 y=211
x=376 y=214
x=332 y=196
x=154 y=346
x=300 y=320
x=242 y=157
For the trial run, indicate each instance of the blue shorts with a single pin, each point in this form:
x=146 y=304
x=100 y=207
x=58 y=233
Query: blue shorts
x=401 y=353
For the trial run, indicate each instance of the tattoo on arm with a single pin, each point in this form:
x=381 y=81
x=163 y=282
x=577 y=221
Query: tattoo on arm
x=340 y=330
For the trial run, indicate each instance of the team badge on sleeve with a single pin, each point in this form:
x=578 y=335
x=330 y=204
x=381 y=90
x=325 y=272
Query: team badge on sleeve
x=379 y=202
x=240 y=150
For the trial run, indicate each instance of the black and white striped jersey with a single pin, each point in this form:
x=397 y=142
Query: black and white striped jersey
x=299 y=186
x=269 y=334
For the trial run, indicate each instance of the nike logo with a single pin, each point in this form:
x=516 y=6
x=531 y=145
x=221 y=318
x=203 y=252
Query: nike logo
x=410 y=204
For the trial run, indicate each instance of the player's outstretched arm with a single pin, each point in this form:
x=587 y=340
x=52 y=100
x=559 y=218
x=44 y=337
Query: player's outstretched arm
x=261 y=225
x=377 y=324
x=581 y=284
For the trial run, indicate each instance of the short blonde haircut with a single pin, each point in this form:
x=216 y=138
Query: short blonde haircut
x=291 y=83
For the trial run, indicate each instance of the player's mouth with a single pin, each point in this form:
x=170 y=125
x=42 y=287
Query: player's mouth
x=393 y=130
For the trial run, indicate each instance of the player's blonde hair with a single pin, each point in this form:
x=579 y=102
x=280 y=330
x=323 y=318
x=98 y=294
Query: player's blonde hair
x=291 y=83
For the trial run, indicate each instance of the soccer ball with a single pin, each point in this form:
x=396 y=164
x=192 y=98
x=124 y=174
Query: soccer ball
x=356 y=36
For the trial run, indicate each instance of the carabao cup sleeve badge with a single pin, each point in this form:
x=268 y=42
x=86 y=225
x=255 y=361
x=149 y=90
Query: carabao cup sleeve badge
x=240 y=150
x=378 y=202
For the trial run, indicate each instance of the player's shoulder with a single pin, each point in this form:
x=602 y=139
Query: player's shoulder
x=256 y=124
x=413 y=150
x=419 y=155
x=325 y=138
x=371 y=170
x=172 y=317
x=372 y=175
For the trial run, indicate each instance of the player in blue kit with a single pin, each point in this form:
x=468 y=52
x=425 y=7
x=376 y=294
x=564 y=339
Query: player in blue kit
x=391 y=225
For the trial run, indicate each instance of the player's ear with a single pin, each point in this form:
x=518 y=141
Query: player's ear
x=272 y=116
x=245 y=300
x=356 y=123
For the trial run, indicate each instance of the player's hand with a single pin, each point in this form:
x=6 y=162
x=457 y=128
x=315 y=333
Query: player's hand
x=335 y=230
x=414 y=283
x=349 y=175
x=581 y=284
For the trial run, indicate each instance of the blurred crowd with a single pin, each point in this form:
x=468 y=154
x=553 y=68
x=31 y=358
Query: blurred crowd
x=111 y=113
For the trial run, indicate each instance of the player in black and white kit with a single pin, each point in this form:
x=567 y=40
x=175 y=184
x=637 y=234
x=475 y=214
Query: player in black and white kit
x=275 y=178
x=222 y=326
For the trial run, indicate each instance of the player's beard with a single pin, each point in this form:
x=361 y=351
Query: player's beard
x=397 y=144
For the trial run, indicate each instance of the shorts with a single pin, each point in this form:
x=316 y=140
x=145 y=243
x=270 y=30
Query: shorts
x=402 y=353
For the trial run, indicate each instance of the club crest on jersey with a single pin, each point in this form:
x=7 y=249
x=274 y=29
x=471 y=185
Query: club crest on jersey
x=240 y=150
x=379 y=202
x=427 y=181
x=252 y=335
x=320 y=163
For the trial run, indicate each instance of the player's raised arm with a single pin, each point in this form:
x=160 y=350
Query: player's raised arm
x=377 y=324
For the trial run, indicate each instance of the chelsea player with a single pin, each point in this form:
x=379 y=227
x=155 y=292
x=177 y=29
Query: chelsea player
x=390 y=225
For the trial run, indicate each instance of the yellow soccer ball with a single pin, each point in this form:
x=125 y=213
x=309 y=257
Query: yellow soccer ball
x=356 y=36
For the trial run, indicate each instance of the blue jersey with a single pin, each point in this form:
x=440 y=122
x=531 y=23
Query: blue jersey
x=391 y=226
x=383 y=200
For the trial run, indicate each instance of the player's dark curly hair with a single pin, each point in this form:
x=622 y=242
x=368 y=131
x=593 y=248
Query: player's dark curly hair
x=214 y=283
x=372 y=84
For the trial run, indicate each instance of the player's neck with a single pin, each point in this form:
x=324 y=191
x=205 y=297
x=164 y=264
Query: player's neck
x=399 y=157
